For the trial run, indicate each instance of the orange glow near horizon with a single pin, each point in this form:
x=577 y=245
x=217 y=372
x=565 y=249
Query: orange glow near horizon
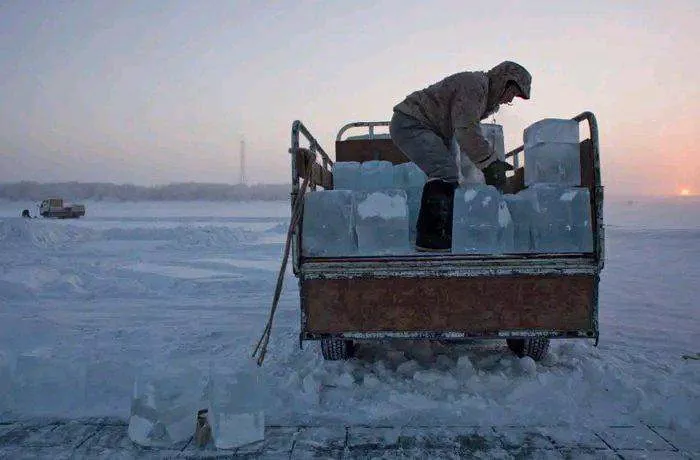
x=685 y=192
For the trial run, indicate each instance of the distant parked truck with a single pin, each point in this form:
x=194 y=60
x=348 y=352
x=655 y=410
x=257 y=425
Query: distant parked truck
x=53 y=207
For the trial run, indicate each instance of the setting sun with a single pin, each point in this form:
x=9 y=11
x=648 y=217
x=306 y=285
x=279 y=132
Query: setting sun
x=685 y=192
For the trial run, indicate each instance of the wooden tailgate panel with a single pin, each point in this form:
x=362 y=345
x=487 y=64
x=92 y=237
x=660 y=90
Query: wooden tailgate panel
x=473 y=305
x=367 y=150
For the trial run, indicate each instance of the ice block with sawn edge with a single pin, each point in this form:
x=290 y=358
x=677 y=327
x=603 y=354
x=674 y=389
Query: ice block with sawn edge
x=381 y=222
x=522 y=212
x=481 y=221
x=376 y=175
x=329 y=224
x=346 y=175
x=164 y=406
x=408 y=175
x=236 y=407
x=562 y=221
x=493 y=134
x=553 y=163
x=551 y=130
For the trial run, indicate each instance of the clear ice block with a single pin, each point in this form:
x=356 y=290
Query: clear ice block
x=382 y=222
x=553 y=163
x=164 y=406
x=376 y=175
x=551 y=130
x=562 y=221
x=236 y=409
x=522 y=211
x=329 y=224
x=481 y=221
x=493 y=134
x=408 y=175
x=467 y=171
x=346 y=175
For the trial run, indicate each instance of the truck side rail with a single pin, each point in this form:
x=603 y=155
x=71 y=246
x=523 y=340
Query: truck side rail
x=361 y=124
x=305 y=164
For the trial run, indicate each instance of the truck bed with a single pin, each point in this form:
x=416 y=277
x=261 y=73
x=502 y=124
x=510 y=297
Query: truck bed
x=445 y=296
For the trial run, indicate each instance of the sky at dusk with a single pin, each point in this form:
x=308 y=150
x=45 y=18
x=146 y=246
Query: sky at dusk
x=152 y=92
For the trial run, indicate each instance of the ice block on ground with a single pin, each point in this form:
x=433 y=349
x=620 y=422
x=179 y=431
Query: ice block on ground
x=481 y=221
x=6 y=364
x=376 y=175
x=553 y=163
x=562 y=220
x=109 y=381
x=493 y=134
x=346 y=175
x=236 y=408
x=164 y=406
x=382 y=224
x=522 y=211
x=45 y=384
x=408 y=175
x=329 y=224
x=551 y=130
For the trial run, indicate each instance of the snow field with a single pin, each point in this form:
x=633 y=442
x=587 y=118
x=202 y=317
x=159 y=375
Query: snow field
x=87 y=306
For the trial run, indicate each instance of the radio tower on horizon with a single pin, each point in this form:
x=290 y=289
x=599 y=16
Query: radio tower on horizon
x=241 y=178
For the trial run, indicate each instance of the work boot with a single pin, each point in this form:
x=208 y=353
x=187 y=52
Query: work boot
x=434 y=227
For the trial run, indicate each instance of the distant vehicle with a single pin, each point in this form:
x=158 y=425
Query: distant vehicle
x=53 y=207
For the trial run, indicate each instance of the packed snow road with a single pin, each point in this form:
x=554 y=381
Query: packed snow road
x=86 y=305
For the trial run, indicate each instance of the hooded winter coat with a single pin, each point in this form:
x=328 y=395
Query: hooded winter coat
x=456 y=105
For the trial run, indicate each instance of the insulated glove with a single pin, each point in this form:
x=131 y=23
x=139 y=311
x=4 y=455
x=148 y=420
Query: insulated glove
x=495 y=173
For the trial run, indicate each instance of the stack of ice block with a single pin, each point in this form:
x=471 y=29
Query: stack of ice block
x=481 y=221
x=411 y=179
x=493 y=134
x=382 y=222
x=329 y=224
x=346 y=175
x=376 y=175
x=562 y=218
x=522 y=211
x=552 y=153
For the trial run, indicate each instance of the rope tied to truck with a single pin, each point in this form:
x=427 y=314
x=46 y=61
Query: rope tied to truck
x=261 y=347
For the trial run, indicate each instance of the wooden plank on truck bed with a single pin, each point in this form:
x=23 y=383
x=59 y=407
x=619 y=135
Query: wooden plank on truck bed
x=473 y=305
x=369 y=149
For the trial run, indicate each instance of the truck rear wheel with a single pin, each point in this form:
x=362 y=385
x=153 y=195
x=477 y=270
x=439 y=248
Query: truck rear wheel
x=336 y=349
x=534 y=347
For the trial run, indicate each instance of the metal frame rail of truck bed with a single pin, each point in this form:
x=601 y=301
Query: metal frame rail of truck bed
x=518 y=297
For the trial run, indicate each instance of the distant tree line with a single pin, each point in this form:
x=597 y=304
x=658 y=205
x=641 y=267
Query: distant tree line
x=190 y=191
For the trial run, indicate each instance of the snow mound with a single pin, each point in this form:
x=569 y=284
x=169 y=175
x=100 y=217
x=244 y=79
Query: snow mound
x=280 y=228
x=22 y=232
x=183 y=235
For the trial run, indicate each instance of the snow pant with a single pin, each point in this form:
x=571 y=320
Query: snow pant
x=424 y=147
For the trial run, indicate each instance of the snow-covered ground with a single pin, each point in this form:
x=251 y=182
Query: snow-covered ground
x=87 y=304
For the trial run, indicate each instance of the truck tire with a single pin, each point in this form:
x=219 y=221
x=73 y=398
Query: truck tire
x=336 y=349
x=534 y=347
